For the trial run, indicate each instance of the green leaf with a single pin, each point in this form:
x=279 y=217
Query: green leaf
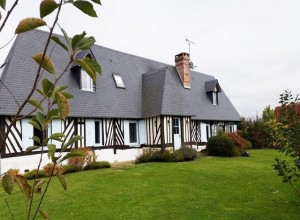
x=29 y=24
x=44 y=214
x=53 y=114
x=63 y=105
x=76 y=40
x=67 y=95
x=70 y=142
x=57 y=136
x=85 y=7
x=3 y=4
x=90 y=71
x=35 y=125
x=7 y=183
x=41 y=119
x=66 y=37
x=97 y=2
x=36 y=139
x=46 y=63
x=59 y=88
x=47 y=87
x=40 y=91
x=93 y=64
x=31 y=148
x=57 y=40
x=86 y=43
x=62 y=180
x=72 y=154
x=24 y=185
x=47 y=7
x=36 y=103
x=51 y=150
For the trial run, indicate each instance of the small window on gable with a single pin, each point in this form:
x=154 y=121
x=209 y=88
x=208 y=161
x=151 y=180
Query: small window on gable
x=118 y=80
x=87 y=83
x=215 y=98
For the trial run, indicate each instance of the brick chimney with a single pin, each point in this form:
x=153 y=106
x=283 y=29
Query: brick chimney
x=182 y=63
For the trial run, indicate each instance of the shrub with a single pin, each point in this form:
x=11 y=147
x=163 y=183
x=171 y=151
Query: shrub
x=177 y=156
x=97 y=165
x=220 y=145
x=145 y=156
x=13 y=172
x=82 y=161
x=32 y=174
x=49 y=168
x=188 y=153
x=240 y=143
x=71 y=169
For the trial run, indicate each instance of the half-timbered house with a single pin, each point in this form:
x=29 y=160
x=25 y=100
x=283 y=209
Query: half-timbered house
x=135 y=103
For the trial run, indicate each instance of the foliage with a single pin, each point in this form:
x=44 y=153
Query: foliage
x=81 y=161
x=220 y=145
x=71 y=169
x=52 y=169
x=154 y=155
x=240 y=143
x=35 y=174
x=13 y=172
x=289 y=120
x=55 y=98
x=254 y=131
x=97 y=165
x=188 y=153
x=268 y=114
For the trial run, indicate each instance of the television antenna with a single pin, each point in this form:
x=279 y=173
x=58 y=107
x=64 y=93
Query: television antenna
x=189 y=43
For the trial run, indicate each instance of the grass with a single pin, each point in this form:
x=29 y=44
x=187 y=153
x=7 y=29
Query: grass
x=208 y=188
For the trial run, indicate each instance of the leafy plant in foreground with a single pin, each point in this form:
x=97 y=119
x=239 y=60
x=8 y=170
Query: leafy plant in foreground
x=53 y=103
x=289 y=127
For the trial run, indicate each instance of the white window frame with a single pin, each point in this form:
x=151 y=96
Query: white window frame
x=100 y=132
x=119 y=80
x=136 y=132
x=87 y=83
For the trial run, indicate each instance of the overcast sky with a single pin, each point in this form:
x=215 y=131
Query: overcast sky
x=251 y=46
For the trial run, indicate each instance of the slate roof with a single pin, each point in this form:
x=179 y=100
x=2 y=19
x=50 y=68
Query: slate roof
x=151 y=88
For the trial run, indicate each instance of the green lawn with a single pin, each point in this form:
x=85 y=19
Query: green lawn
x=208 y=188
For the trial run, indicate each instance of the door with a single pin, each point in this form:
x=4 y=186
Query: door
x=176 y=133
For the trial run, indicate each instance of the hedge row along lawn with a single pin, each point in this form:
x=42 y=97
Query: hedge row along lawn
x=208 y=188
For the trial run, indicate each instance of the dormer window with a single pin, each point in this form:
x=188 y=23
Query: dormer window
x=118 y=80
x=87 y=83
x=215 y=98
x=212 y=90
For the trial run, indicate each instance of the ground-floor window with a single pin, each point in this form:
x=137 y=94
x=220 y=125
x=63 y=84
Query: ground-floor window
x=97 y=132
x=132 y=132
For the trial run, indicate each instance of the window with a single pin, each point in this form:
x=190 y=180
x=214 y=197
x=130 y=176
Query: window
x=176 y=125
x=132 y=132
x=118 y=80
x=87 y=83
x=97 y=132
x=215 y=98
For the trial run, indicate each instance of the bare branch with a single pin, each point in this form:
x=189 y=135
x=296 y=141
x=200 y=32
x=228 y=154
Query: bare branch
x=8 y=14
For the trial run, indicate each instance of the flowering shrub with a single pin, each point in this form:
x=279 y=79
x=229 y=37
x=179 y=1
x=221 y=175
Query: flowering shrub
x=239 y=142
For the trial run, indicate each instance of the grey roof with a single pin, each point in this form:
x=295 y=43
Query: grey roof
x=211 y=85
x=151 y=88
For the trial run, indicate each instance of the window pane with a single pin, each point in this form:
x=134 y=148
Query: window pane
x=86 y=81
x=97 y=132
x=132 y=133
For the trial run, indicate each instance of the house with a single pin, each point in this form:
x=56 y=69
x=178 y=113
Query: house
x=135 y=103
